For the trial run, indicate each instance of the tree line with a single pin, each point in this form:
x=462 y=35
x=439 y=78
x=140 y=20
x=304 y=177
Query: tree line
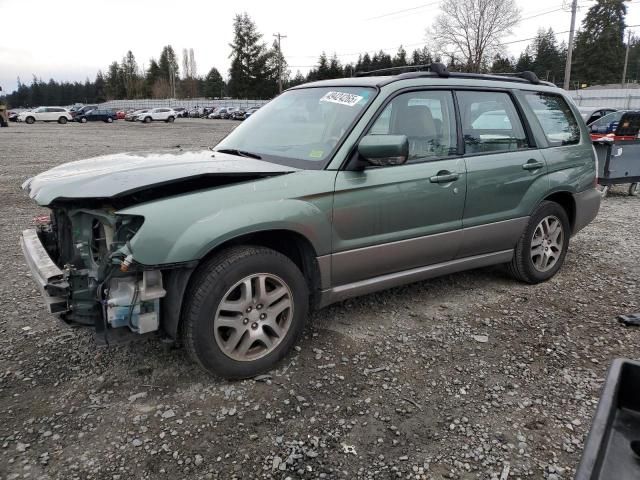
x=598 y=58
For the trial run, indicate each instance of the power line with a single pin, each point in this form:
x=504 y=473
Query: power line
x=403 y=10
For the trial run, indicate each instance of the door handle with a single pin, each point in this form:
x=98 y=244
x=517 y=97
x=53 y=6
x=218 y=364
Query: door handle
x=444 y=177
x=533 y=165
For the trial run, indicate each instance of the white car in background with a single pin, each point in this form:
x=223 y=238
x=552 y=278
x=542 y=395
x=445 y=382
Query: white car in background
x=45 y=114
x=157 y=115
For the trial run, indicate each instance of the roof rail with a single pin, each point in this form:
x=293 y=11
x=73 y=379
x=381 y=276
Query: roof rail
x=437 y=68
x=527 y=75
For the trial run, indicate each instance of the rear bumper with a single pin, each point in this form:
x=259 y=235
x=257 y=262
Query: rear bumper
x=48 y=277
x=587 y=207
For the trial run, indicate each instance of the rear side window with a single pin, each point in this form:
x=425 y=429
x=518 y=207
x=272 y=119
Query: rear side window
x=427 y=118
x=555 y=117
x=490 y=122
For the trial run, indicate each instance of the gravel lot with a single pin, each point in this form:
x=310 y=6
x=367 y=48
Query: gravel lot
x=471 y=376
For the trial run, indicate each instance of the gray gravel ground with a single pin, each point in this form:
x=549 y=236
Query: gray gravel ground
x=470 y=376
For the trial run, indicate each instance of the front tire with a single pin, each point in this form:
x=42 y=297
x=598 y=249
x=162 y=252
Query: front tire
x=634 y=189
x=109 y=120
x=170 y=120
x=83 y=120
x=244 y=310
x=30 y=120
x=542 y=248
x=147 y=119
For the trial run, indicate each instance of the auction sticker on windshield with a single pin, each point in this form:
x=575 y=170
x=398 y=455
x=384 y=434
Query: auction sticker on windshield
x=341 y=98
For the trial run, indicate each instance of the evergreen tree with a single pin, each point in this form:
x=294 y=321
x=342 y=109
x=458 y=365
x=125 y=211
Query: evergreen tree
x=115 y=87
x=299 y=79
x=502 y=65
x=169 y=72
x=100 y=86
x=249 y=59
x=525 y=60
x=213 y=84
x=130 y=75
x=335 y=67
x=599 y=48
x=547 y=63
x=321 y=72
x=152 y=77
x=400 y=59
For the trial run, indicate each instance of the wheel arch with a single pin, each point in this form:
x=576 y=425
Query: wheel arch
x=566 y=200
x=291 y=244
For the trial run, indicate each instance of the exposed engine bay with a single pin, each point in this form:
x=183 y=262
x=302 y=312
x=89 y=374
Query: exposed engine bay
x=101 y=285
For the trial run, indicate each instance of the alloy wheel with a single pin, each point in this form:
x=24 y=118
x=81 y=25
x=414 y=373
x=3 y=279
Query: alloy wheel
x=253 y=317
x=546 y=244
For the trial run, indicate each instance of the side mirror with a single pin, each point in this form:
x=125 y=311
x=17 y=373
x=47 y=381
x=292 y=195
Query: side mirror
x=384 y=150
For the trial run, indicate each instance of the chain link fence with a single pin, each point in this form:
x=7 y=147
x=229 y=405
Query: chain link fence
x=174 y=102
x=619 y=98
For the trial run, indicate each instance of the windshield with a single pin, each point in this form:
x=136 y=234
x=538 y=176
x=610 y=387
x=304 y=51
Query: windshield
x=301 y=127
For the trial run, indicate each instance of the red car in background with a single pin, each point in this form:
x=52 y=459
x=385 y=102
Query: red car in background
x=120 y=114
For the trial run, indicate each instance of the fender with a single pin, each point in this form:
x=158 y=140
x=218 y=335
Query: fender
x=186 y=227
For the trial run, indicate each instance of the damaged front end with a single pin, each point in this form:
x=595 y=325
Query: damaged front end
x=82 y=261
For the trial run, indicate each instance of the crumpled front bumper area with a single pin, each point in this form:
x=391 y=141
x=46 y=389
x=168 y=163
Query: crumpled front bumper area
x=45 y=272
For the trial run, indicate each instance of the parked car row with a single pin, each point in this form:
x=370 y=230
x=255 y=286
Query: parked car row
x=90 y=113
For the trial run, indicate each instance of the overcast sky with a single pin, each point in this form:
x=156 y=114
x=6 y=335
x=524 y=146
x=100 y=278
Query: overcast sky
x=73 y=39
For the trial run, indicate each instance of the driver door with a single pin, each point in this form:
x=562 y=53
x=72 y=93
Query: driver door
x=394 y=218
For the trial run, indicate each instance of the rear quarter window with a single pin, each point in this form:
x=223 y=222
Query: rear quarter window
x=556 y=118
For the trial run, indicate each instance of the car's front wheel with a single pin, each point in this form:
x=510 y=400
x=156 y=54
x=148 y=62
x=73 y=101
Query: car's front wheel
x=30 y=120
x=542 y=248
x=170 y=120
x=244 y=310
x=109 y=120
x=83 y=120
x=147 y=119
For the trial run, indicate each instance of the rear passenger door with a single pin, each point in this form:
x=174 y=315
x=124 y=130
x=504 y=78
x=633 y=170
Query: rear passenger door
x=394 y=218
x=565 y=149
x=503 y=167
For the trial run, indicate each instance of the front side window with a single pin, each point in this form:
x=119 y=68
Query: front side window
x=555 y=117
x=490 y=122
x=427 y=118
x=301 y=127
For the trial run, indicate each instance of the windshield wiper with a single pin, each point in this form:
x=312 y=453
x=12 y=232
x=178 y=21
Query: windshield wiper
x=239 y=153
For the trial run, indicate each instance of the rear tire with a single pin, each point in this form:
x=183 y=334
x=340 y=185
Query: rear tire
x=634 y=189
x=109 y=120
x=30 y=120
x=254 y=282
x=542 y=249
x=147 y=119
x=62 y=120
x=83 y=120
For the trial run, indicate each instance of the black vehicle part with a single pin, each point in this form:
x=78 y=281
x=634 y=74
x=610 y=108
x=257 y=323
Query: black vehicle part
x=631 y=320
x=611 y=450
x=437 y=68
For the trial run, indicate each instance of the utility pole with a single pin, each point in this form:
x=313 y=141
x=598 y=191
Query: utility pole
x=279 y=36
x=567 y=67
x=626 y=59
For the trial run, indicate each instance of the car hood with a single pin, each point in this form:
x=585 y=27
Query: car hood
x=124 y=174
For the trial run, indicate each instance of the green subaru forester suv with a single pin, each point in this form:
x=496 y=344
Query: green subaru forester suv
x=334 y=189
